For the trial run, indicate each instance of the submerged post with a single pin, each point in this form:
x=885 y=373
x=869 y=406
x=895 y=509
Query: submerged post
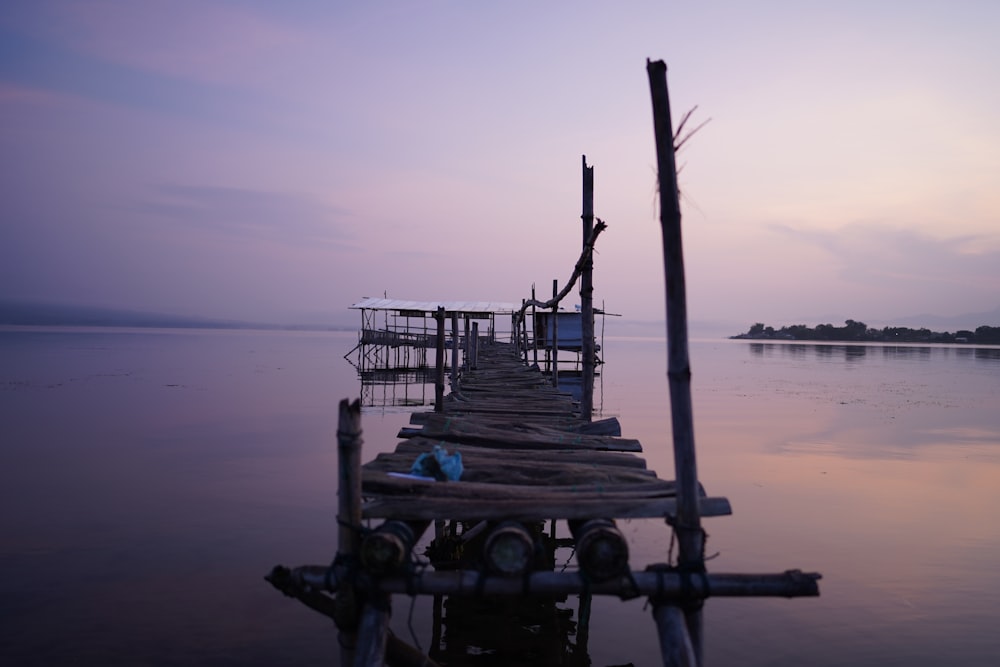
x=587 y=297
x=687 y=523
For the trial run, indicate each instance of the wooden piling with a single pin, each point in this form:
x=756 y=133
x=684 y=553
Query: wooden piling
x=466 y=351
x=534 y=327
x=475 y=346
x=587 y=297
x=687 y=523
x=555 y=334
x=348 y=513
x=675 y=642
x=439 y=362
x=454 y=352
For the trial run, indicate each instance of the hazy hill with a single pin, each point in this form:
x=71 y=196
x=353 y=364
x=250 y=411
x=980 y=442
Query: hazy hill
x=27 y=313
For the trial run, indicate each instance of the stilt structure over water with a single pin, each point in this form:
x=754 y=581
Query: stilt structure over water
x=504 y=458
x=391 y=354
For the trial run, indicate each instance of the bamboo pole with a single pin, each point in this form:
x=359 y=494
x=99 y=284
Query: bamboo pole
x=665 y=585
x=454 y=352
x=555 y=334
x=587 y=297
x=439 y=362
x=373 y=632
x=466 y=352
x=599 y=226
x=675 y=642
x=348 y=510
x=687 y=523
x=475 y=345
x=534 y=325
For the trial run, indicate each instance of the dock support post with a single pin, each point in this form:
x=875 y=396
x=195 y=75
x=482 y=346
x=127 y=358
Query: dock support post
x=534 y=328
x=687 y=523
x=583 y=624
x=475 y=346
x=675 y=643
x=373 y=632
x=348 y=514
x=555 y=335
x=439 y=362
x=521 y=323
x=466 y=351
x=454 y=352
x=587 y=297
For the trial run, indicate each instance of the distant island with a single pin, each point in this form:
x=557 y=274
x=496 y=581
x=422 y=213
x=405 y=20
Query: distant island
x=854 y=331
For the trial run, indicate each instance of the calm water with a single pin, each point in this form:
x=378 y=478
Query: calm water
x=150 y=479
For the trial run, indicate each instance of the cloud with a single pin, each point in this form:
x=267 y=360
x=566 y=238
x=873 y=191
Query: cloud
x=911 y=268
x=282 y=217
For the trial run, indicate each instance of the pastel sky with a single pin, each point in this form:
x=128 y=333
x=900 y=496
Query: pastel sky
x=277 y=161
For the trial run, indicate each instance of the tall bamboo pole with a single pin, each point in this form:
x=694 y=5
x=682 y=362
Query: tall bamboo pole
x=439 y=362
x=534 y=327
x=555 y=334
x=587 y=296
x=466 y=351
x=687 y=523
x=348 y=509
x=454 y=352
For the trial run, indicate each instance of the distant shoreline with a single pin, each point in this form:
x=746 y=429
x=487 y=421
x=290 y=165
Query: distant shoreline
x=27 y=314
x=858 y=332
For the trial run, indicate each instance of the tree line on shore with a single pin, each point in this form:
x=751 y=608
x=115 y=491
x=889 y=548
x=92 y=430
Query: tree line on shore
x=859 y=331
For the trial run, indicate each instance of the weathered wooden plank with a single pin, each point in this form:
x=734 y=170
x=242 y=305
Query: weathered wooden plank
x=521 y=441
x=511 y=470
x=608 y=426
x=471 y=453
x=486 y=485
x=513 y=409
x=468 y=432
x=582 y=506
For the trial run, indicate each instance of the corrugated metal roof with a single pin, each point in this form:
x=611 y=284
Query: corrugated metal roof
x=499 y=307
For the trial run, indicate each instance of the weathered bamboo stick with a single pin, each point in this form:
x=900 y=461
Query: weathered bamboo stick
x=348 y=507
x=687 y=523
x=373 y=631
x=555 y=334
x=666 y=585
x=439 y=362
x=454 y=352
x=397 y=652
x=534 y=326
x=587 y=297
x=475 y=346
x=466 y=350
x=599 y=226
x=675 y=642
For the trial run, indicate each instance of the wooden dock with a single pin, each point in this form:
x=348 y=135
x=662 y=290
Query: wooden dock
x=531 y=457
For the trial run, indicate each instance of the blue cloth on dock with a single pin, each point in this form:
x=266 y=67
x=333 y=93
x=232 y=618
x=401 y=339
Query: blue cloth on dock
x=439 y=464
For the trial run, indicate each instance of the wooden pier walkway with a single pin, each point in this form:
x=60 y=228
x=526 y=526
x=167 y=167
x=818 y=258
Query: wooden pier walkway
x=530 y=455
x=526 y=457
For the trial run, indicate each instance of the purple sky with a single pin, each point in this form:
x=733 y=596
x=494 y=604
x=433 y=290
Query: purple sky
x=279 y=161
